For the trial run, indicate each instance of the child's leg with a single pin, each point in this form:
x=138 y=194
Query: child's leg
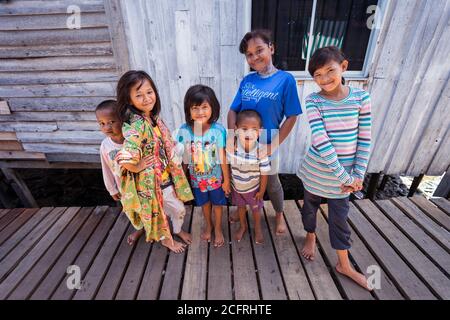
x=276 y=196
x=174 y=208
x=311 y=204
x=173 y=245
x=242 y=210
x=257 y=214
x=218 y=234
x=340 y=238
x=206 y=234
x=133 y=237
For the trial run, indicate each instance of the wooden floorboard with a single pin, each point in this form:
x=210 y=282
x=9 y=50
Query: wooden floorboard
x=432 y=211
x=14 y=226
x=443 y=204
x=9 y=217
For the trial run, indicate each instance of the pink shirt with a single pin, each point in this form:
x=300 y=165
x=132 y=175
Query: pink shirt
x=110 y=168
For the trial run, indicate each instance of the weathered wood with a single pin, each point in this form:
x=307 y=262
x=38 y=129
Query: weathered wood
x=438 y=233
x=294 y=275
x=432 y=211
x=13 y=227
x=429 y=273
x=66 y=90
x=7 y=136
x=195 y=274
x=10 y=146
x=27 y=7
x=57 y=103
x=56 y=77
x=416 y=234
x=442 y=203
x=12 y=279
x=154 y=271
x=29 y=126
x=87 y=164
x=20 y=187
x=61 y=148
x=173 y=275
x=28 y=282
x=81 y=126
x=72 y=160
x=61 y=136
x=321 y=281
x=407 y=281
x=8 y=218
x=21 y=155
x=245 y=282
x=443 y=189
x=4 y=107
x=39 y=116
x=415 y=185
x=89 y=252
x=50 y=282
x=98 y=269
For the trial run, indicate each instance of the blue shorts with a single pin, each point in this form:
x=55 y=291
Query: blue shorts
x=216 y=197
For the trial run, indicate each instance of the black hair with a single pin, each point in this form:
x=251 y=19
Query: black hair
x=107 y=104
x=323 y=56
x=246 y=114
x=195 y=96
x=263 y=34
x=128 y=80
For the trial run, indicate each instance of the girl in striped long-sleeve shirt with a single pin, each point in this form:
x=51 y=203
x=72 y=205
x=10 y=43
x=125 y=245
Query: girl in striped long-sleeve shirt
x=335 y=164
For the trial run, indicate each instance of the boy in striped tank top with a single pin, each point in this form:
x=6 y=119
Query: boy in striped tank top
x=335 y=164
x=249 y=174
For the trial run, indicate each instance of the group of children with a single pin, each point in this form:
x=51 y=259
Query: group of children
x=152 y=172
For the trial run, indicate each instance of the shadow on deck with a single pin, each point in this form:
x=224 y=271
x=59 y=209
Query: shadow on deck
x=406 y=239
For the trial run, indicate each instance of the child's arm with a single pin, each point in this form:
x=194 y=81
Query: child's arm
x=322 y=144
x=108 y=176
x=364 y=138
x=141 y=165
x=225 y=171
x=262 y=187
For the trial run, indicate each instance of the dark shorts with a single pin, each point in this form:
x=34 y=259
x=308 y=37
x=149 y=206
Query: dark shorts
x=243 y=199
x=216 y=197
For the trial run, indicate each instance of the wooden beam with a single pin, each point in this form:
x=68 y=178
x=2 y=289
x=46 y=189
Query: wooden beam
x=21 y=155
x=415 y=184
x=20 y=187
x=443 y=189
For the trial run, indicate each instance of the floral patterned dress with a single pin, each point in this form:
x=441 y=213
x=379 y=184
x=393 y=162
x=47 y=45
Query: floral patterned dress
x=142 y=198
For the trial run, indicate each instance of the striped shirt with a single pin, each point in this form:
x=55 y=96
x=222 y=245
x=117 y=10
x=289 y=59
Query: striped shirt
x=246 y=169
x=340 y=143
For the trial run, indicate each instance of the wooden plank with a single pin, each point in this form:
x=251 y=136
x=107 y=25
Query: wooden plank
x=61 y=136
x=12 y=279
x=97 y=271
x=28 y=232
x=7 y=136
x=21 y=155
x=428 y=272
x=319 y=276
x=27 y=7
x=61 y=148
x=93 y=160
x=55 y=77
x=88 y=253
x=54 y=21
x=7 y=219
x=219 y=266
x=407 y=281
x=352 y=290
x=432 y=211
x=20 y=187
x=131 y=281
x=44 y=116
x=57 y=103
x=245 y=282
x=30 y=126
x=50 y=282
x=297 y=285
x=154 y=271
x=117 y=269
x=443 y=204
x=416 y=234
x=10 y=146
x=170 y=289
x=364 y=259
x=269 y=274
x=13 y=227
x=4 y=107
x=91 y=126
x=96 y=89
x=195 y=274
x=439 y=234
x=28 y=280
x=4 y=212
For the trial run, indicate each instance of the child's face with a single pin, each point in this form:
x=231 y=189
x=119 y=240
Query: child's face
x=259 y=54
x=110 y=124
x=201 y=113
x=248 y=131
x=143 y=97
x=329 y=76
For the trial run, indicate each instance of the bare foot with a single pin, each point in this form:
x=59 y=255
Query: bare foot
x=309 y=247
x=206 y=234
x=259 y=239
x=185 y=236
x=132 y=238
x=234 y=217
x=174 y=246
x=354 y=275
x=240 y=233
x=218 y=238
x=281 y=224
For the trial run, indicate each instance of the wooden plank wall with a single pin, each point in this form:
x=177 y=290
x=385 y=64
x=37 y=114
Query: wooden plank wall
x=53 y=77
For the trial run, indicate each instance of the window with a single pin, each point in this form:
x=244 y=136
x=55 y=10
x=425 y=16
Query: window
x=343 y=23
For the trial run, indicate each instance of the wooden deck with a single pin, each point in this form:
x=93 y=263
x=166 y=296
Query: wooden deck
x=408 y=238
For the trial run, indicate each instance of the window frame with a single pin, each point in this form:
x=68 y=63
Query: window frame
x=349 y=75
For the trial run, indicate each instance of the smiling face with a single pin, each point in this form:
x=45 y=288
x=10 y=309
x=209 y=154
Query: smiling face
x=110 y=124
x=143 y=97
x=329 y=76
x=248 y=131
x=201 y=113
x=259 y=54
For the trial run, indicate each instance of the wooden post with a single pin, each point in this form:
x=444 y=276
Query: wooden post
x=20 y=187
x=443 y=189
x=415 y=184
x=373 y=185
x=383 y=182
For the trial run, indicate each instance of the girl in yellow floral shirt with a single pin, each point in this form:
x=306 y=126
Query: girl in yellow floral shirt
x=153 y=185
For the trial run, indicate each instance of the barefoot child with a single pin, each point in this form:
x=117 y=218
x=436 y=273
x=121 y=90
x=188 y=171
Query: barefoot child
x=273 y=94
x=111 y=126
x=156 y=187
x=205 y=139
x=248 y=172
x=335 y=164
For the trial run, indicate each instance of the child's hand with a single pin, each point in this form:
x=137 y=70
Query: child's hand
x=116 y=197
x=357 y=185
x=265 y=150
x=146 y=162
x=226 y=187
x=259 y=195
